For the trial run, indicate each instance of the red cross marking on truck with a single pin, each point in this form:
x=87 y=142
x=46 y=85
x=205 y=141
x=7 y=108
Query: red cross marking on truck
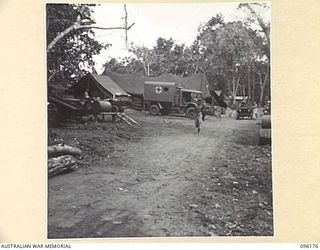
x=158 y=89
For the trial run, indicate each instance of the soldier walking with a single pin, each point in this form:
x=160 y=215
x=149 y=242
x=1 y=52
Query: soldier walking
x=197 y=115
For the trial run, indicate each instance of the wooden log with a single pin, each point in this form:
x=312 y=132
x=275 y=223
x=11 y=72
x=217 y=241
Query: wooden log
x=266 y=121
x=61 y=164
x=62 y=149
x=265 y=136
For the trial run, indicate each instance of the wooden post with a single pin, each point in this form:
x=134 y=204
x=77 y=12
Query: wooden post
x=126 y=26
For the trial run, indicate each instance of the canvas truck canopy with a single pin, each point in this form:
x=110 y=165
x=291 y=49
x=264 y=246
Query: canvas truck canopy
x=168 y=84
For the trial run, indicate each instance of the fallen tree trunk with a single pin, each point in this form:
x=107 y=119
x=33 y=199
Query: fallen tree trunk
x=61 y=149
x=61 y=164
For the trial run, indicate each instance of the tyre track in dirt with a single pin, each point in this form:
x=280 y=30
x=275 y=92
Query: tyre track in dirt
x=172 y=162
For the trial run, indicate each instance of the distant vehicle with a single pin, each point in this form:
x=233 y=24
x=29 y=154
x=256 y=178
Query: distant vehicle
x=245 y=110
x=167 y=97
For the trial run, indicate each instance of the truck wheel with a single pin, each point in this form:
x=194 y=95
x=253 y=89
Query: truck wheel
x=154 y=109
x=190 y=113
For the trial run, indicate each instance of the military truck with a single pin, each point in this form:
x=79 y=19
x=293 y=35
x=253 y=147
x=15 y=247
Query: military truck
x=166 y=97
x=245 y=110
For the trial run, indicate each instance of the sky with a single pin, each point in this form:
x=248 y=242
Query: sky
x=177 y=21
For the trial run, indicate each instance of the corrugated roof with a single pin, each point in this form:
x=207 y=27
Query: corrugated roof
x=134 y=83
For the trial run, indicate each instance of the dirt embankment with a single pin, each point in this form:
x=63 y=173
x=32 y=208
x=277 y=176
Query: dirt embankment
x=163 y=179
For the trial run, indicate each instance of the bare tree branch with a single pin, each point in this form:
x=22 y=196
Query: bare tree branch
x=77 y=26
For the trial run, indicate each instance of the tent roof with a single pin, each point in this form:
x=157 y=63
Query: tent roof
x=107 y=83
x=104 y=81
x=218 y=98
x=134 y=83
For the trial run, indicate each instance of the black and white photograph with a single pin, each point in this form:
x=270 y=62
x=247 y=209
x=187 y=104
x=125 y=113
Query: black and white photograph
x=158 y=120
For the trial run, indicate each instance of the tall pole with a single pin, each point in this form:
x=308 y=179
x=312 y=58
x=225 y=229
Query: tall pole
x=126 y=26
x=249 y=87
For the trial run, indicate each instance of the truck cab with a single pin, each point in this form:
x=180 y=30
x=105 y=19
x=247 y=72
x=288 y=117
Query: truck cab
x=188 y=96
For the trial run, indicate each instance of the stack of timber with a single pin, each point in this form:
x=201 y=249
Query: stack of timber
x=61 y=159
x=265 y=131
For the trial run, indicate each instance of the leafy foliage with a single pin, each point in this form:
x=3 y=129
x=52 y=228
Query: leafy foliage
x=255 y=12
x=72 y=55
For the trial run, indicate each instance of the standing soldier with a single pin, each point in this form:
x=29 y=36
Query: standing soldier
x=203 y=111
x=197 y=115
x=255 y=110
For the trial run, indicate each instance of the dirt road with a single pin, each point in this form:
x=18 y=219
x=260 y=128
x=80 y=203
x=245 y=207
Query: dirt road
x=163 y=179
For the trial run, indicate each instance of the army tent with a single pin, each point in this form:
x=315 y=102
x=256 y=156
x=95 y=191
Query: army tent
x=218 y=98
x=98 y=86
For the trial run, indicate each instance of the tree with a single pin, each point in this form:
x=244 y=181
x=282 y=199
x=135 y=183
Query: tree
x=125 y=65
x=165 y=57
x=70 y=42
x=262 y=71
x=257 y=18
x=202 y=55
x=146 y=56
x=256 y=13
x=164 y=53
x=227 y=50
